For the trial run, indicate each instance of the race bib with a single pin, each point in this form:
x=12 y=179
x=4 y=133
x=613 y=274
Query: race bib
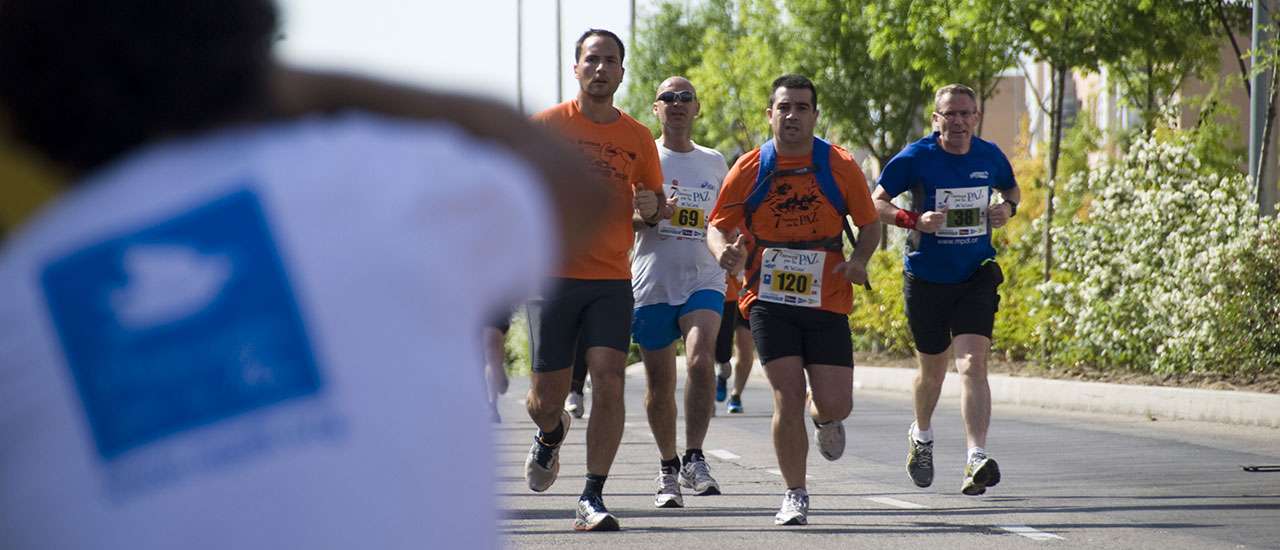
x=792 y=277
x=689 y=221
x=967 y=211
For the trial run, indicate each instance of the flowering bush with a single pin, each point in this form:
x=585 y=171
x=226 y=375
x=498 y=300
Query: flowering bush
x=1171 y=269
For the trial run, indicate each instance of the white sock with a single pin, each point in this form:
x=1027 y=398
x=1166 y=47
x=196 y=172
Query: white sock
x=923 y=437
x=975 y=450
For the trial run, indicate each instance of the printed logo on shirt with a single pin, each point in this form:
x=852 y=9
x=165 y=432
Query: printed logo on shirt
x=180 y=325
x=982 y=175
x=608 y=159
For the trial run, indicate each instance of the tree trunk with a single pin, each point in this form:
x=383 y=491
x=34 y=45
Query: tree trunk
x=1055 y=144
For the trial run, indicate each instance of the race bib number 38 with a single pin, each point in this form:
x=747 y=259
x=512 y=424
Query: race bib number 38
x=792 y=277
x=966 y=211
x=689 y=220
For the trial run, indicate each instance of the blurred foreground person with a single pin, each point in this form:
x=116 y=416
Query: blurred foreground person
x=237 y=329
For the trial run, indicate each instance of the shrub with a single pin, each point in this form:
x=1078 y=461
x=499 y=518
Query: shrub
x=1170 y=271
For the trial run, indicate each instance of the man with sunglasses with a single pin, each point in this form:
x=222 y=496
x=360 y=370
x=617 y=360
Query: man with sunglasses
x=950 y=274
x=679 y=292
x=591 y=294
x=798 y=293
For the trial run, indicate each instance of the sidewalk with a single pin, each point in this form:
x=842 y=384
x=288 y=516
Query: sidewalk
x=1223 y=406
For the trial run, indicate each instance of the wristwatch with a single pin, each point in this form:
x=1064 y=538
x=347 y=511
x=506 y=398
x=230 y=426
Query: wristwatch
x=1013 y=207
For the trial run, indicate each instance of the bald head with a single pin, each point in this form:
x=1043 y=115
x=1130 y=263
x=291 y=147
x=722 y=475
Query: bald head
x=675 y=105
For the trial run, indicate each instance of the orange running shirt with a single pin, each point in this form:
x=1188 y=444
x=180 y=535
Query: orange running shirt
x=796 y=210
x=625 y=153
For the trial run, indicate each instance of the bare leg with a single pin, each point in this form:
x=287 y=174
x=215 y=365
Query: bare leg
x=744 y=347
x=699 y=328
x=975 y=393
x=928 y=386
x=608 y=413
x=790 y=436
x=660 y=397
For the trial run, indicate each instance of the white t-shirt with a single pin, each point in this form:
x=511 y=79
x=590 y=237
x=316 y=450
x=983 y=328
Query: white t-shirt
x=671 y=260
x=264 y=338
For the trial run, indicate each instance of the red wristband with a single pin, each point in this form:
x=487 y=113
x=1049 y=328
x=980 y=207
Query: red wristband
x=906 y=219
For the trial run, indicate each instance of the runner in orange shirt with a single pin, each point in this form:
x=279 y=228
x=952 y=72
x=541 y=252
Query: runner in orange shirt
x=798 y=293
x=592 y=293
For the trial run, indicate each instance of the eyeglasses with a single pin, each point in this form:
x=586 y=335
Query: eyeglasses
x=953 y=114
x=670 y=97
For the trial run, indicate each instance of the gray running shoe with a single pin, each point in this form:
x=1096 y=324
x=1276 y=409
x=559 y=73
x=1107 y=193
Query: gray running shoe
x=830 y=438
x=543 y=463
x=919 y=461
x=573 y=404
x=593 y=516
x=795 y=508
x=979 y=473
x=696 y=475
x=668 y=491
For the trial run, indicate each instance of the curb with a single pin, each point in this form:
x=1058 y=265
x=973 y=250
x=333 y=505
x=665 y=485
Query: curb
x=1223 y=406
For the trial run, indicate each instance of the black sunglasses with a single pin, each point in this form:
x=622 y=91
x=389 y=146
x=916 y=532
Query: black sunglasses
x=670 y=97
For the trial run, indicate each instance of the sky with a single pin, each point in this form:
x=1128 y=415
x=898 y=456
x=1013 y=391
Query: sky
x=468 y=46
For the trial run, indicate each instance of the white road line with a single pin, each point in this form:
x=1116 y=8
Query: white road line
x=777 y=472
x=895 y=502
x=1033 y=534
x=721 y=454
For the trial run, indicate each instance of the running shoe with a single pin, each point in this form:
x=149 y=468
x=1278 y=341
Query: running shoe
x=543 y=464
x=919 y=461
x=696 y=475
x=795 y=508
x=668 y=491
x=735 y=404
x=722 y=388
x=573 y=404
x=830 y=438
x=593 y=516
x=980 y=472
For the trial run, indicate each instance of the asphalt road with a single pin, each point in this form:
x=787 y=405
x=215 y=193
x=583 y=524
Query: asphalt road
x=1070 y=480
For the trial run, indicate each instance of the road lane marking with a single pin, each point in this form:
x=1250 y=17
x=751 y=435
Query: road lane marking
x=778 y=472
x=1033 y=534
x=722 y=454
x=895 y=502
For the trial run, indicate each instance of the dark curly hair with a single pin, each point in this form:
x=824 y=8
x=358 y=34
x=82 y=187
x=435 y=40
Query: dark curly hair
x=87 y=80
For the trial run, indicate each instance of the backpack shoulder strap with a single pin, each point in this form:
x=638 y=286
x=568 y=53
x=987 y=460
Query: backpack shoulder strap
x=768 y=160
x=826 y=180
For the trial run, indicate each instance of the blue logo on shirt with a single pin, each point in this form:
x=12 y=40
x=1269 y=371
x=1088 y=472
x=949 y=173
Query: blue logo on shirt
x=180 y=324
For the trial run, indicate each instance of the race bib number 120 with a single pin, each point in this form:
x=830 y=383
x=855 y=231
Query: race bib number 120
x=792 y=277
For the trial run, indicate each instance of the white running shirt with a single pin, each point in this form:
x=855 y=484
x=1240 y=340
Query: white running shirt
x=264 y=338
x=666 y=268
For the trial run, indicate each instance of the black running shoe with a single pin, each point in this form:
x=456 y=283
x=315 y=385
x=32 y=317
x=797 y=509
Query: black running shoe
x=919 y=461
x=981 y=472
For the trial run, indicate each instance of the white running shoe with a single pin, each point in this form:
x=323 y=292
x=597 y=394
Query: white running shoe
x=795 y=508
x=696 y=475
x=543 y=463
x=668 y=491
x=573 y=404
x=830 y=438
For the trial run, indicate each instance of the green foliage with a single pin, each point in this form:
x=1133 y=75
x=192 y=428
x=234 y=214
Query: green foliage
x=1170 y=272
x=1158 y=45
x=668 y=43
x=878 y=322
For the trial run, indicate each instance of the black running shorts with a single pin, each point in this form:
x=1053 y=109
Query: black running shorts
x=937 y=313
x=820 y=337
x=599 y=309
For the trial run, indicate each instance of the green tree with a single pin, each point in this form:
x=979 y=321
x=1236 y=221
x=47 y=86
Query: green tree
x=668 y=43
x=1159 y=45
x=948 y=42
